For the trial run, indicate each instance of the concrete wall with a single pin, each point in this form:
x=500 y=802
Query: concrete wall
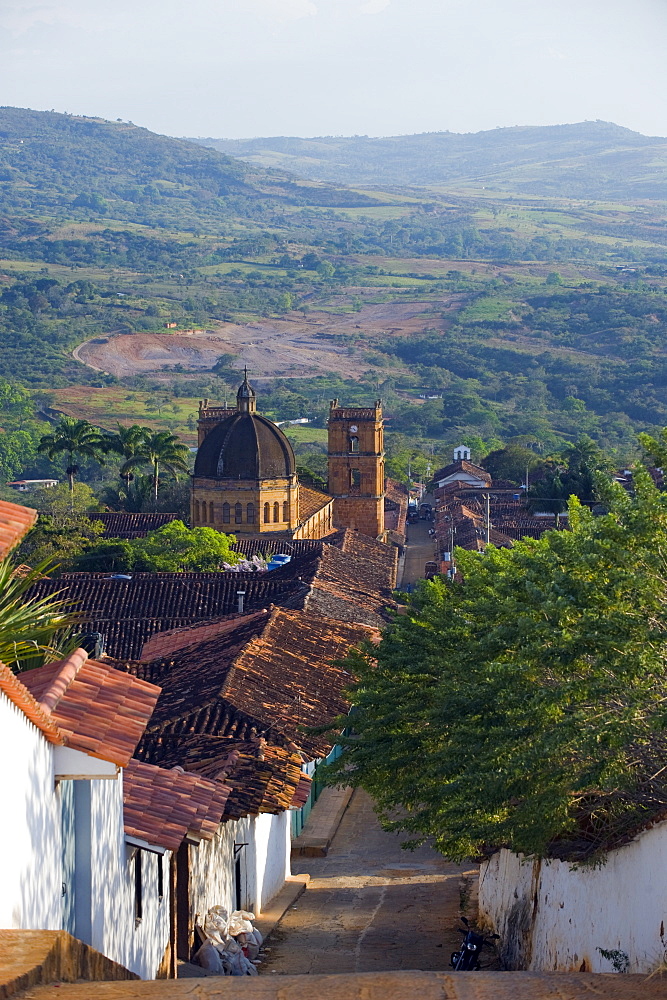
x=553 y=917
x=30 y=838
x=264 y=864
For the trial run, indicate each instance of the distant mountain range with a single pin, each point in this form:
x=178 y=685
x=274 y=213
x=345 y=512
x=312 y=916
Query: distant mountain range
x=56 y=163
x=597 y=160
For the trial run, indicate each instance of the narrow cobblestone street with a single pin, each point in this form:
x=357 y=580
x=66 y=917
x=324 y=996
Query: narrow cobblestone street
x=370 y=906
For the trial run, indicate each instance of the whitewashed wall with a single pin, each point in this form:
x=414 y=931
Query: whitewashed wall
x=268 y=861
x=264 y=864
x=30 y=838
x=140 y=947
x=212 y=869
x=553 y=917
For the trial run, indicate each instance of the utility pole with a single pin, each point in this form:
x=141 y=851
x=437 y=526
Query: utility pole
x=488 y=517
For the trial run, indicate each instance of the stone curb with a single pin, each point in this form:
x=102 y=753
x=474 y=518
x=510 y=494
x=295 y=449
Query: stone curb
x=322 y=824
x=295 y=886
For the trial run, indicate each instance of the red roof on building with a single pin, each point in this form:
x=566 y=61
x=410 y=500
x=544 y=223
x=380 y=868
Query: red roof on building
x=162 y=806
x=20 y=696
x=15 y=522
x=103 y=711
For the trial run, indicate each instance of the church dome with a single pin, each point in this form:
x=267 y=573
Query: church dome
x=245 y=446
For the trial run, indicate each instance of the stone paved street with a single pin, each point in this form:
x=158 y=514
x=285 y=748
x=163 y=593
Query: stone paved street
x=370 y=906
x=420 y=548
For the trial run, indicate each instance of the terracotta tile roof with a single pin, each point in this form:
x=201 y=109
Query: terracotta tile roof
x=378 y=561
x=298 y=548
x=119 y=524
x=103 y=711
x=310 y=501
x=464 y=467
x=347 y=589
x=262 y=777
x=272 y=676
x=163 y=806
x=510 y=520
x=129 y=612
x=166 y=643
x=396 y=509
x=20 y=696
x=15 y=522
x=302 y=792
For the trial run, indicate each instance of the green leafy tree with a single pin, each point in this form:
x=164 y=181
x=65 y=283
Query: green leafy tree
x=161 y=451
x=575 y=475
x=73 y=438
x=174 y=547
x=525 y=706
x=115 y=555
x=326 y=270
x=511 y=462
x=655 y=448
x=63 y=530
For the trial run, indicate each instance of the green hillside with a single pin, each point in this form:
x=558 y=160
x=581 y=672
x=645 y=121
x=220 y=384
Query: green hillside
x=584 y=160
x=532 y=317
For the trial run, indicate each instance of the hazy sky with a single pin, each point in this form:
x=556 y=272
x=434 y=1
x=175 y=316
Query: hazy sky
x=239 y=68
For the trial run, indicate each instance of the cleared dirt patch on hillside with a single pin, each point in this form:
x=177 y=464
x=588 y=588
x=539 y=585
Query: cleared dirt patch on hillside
x=293 y=347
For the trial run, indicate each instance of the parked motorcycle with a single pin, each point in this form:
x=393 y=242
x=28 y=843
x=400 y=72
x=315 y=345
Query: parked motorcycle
x=467 y=958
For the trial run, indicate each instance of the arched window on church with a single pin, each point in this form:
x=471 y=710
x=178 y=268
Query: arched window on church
x=354 y=444
x=238 y=513
x=195 y=511
x=267 y=515
x=225 y=513
x=286 y=511
x=276 y=513
x=210 y=512
x=250 y=513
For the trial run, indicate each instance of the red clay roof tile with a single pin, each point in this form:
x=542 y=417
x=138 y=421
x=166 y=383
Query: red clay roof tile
x=15 y=522
x=163 y=806
x=104 y=710
x=20 y=696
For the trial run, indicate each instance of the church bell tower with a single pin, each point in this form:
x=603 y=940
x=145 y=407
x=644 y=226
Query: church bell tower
x=356 y=467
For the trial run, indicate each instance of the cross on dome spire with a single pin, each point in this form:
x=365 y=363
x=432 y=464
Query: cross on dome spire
x=246 y=400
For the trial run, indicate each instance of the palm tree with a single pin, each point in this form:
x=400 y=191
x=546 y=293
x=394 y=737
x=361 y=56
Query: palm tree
x=33 y=630
x=160 y=450
x=127 y=441
x=74 y=437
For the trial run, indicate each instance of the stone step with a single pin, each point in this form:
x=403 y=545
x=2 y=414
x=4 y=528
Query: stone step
x=374 y=986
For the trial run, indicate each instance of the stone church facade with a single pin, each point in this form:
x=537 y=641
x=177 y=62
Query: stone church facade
x=245 y=480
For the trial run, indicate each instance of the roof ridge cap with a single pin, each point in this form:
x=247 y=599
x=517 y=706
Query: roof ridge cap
x=69 y=669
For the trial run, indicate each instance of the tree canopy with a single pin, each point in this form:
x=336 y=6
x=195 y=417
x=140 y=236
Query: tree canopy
x=525 y=706
x=171 y=549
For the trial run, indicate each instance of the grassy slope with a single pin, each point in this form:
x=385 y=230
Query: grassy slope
x=192 y=235
x=585 y=160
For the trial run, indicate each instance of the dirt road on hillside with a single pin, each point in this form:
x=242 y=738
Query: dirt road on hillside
x=293 y=347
